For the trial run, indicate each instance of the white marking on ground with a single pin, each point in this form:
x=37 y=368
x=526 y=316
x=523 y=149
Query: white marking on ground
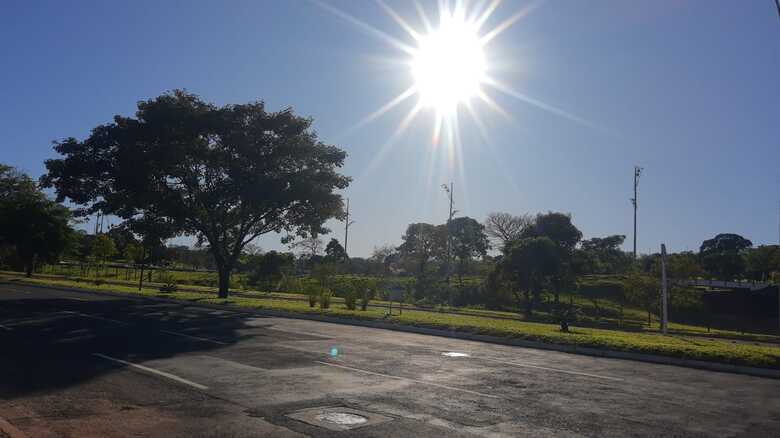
x=84 y=315
x=153 y=371
x=5 y=327
x=422 y=382
x=74 y=298
x=197 y=338
x=557 y=370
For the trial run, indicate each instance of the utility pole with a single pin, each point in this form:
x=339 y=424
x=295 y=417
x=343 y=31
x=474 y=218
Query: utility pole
x=347 y=224
x=634 y=200
x=450 y=193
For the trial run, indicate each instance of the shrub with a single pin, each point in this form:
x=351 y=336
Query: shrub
x=347 y=290
x=313 y=292
x=325 y=299
x=168 y=283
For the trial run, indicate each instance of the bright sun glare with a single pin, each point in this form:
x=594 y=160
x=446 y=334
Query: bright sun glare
x=449 y=65
x=450 y=70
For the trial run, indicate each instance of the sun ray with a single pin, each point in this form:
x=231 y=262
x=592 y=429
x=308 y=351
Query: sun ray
x=486 y=14
x=382 y=110
x=476 y=11
x=493 y=151
x=366 y=27
x=539 y=104
x=495 y=106
x=398 y=19
x=506 y=24
x=423 y=16
x=392 y=139
x=437 y=128
x=458 y=148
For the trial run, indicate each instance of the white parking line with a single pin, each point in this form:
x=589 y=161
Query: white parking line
x=84 y=315
x=422 y=382
x=197 y=338
x=153 y=371
x=557 y=370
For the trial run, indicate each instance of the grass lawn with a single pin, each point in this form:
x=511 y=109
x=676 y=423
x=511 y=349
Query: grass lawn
x=759 y=354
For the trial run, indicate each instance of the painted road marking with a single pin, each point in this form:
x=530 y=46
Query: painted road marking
x=74 y=298
x=153 y=371
x=5 y=327
x=557 y=370
x=84 y=315
x=422 y=382
x=197 y=338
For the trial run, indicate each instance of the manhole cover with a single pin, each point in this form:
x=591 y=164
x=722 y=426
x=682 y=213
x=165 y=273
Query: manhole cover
x=342 y=418
x=338 y=418
x=455 y=354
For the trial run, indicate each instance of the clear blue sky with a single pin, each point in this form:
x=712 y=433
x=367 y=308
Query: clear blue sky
x=690 y=90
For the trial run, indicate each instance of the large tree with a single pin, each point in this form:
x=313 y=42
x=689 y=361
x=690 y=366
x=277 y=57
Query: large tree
x=602 y=255
x=722 y=256
x=32 y=227
x=532 y=265
x=556 y=226
x=422 y=243
x=223 y=174
x=468 y=240
x=335 y=252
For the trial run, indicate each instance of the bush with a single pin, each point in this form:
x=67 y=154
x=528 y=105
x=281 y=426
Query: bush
x=324 y=299
x=347 y=291
x=168 y=282
x=313 y=292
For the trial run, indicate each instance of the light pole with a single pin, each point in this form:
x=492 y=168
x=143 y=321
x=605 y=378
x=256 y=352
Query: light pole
x=347 y=223
x=450 y=193
x=634 y=200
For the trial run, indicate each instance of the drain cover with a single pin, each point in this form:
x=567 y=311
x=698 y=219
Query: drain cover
x=455 y=354
x=338 y=417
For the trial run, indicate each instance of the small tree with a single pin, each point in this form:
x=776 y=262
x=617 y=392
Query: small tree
x=102 y=248
x=468 y=241
x=644 y=291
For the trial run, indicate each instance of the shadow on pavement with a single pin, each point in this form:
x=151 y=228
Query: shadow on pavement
x=49 y=343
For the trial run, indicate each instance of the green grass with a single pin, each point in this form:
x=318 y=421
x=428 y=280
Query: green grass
x=757 y=354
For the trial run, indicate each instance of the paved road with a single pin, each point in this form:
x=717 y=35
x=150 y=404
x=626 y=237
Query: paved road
x=80 y=365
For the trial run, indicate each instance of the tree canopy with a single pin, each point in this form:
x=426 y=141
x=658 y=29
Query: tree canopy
x=722 y=255
x=34 y=227
x=468 y=240
x=503 y=228
x=223 y=174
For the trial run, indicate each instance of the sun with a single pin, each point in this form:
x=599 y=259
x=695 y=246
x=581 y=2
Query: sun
x=448 y=65
x=449 y=59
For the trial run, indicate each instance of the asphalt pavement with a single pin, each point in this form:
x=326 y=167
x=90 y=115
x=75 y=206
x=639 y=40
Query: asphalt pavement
x=80 y=365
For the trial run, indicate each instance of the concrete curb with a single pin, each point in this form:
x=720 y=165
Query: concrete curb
x=572 y=349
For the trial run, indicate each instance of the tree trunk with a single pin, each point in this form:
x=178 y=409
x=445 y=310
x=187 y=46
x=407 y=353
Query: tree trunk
x=224 y=280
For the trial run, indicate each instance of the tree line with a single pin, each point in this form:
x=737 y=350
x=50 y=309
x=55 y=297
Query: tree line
x=226 y=175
